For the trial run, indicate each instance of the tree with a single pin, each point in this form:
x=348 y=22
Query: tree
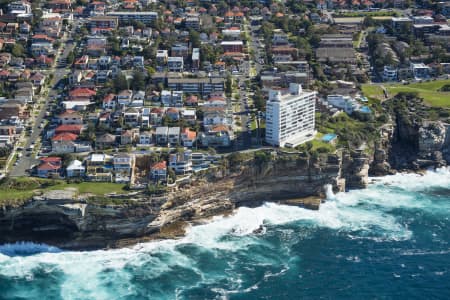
x=18 y=50
x=120 y=83
x=70 y=58
x=138 y=83
x=228 y=86
x=194 y=37
x=171 y=174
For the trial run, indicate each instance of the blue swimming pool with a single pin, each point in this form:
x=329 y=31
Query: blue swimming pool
x=365 y=110
x=328 y=137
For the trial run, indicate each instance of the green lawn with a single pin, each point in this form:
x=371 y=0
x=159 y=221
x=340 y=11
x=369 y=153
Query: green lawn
x=18 y=190
x=96 y=188
x=372 y=91
x=429 y=91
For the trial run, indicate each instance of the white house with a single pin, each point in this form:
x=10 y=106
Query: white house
x=345 y=103
x=75 y=169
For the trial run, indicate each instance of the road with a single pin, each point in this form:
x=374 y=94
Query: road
x=248 y=70
x=58 y=70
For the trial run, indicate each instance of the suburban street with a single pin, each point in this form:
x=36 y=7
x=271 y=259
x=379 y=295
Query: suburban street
x=248 y=70
x=59 y=71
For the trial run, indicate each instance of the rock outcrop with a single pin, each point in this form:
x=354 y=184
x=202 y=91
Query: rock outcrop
x=68 y=221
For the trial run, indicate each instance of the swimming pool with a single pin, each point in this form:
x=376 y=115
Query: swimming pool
x=329 y=137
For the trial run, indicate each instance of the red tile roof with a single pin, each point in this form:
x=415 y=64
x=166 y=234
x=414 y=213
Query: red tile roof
x=65 y=136
x=69 y=128
x=48 y=167
x=219 y=128
x=159 y=165
x=51 y=159
x=189 y=133
x=109 y=97
x=82 y=92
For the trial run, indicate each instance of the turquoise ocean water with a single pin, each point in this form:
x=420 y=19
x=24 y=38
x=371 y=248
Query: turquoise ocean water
x=390 y=241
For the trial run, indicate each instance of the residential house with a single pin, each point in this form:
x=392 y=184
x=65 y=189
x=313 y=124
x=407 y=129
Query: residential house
x=173 y=136
x=49 y=167
x=131 y=116
x=123 y=164
x=420 y=71
x=82 y=62
x=38 y=79
x=127 y=137
x=181 y=163
x=188 y=137
x=161 y=135
x=156 y=116
x=105 y=141
x=70 y=117
x=64 y=142
x=145 y=138
x=189 y=115
x=158 y=171
x=175 y=64
x=124 y=97
x=70 y=128
x=109 y=101
x=217 y=136
x=99 y=167
x=173 y=113
x=81 y=93
x=75 y=169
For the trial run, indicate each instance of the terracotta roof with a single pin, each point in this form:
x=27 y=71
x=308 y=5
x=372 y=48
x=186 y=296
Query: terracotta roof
x=109 y=97
x=192 y=99
x=82 y=92
x=189 y=133
x=162 y=165
x=51 y=159
x=218 y=128
x=172 y=110
x=68 y=128
x=48 y=167
x=65 y=136
x=156 y=110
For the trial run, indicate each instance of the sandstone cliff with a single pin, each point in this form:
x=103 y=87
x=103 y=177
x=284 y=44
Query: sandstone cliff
x=72 y=222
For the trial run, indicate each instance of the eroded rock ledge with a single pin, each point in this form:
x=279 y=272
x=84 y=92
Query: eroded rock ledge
x=66 y=220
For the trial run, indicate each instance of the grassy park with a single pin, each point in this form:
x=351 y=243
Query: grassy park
x=430 y=91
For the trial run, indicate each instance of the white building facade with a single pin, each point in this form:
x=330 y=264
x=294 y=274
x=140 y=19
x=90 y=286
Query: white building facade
x=290 y=118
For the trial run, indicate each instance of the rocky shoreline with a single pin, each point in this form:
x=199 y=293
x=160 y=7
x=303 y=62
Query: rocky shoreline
x=69 y=221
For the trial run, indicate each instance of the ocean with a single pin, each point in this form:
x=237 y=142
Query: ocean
x=390 y=241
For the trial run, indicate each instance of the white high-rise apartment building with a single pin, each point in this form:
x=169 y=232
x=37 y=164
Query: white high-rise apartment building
x=290 y=117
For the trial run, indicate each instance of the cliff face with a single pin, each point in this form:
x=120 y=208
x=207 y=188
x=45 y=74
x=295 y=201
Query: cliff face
x=74 y=224
x=63 y=220
x=409 y=141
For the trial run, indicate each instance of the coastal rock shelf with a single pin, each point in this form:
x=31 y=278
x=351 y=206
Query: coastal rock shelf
x=68 y=221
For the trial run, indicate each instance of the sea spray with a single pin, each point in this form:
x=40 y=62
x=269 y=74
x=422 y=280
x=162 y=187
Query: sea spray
x=329 y=192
